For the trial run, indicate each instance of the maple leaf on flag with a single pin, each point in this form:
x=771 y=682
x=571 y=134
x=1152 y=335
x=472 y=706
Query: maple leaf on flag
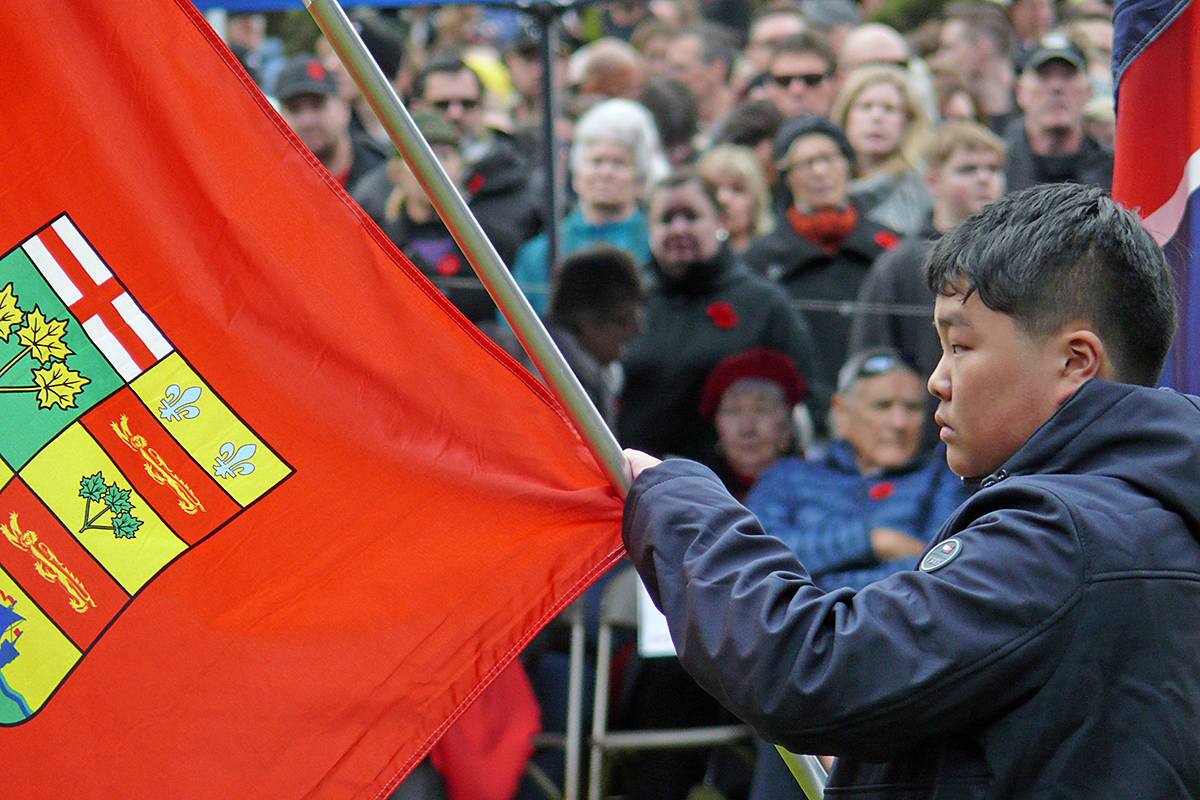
x=117 y=499
x=44 y=338
x=58 y=385
x=125 y=526
x=10 y=313
x=92 y=487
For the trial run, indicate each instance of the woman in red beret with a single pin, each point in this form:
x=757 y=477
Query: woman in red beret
x=752 y=400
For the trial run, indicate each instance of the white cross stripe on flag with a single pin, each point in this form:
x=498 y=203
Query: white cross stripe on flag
x=109 y=316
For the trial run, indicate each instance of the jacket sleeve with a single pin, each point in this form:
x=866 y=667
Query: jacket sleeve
x=867 y=673
x=839 y=541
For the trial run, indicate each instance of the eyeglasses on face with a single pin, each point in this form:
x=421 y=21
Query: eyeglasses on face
x=465 y=103
x=810 y=79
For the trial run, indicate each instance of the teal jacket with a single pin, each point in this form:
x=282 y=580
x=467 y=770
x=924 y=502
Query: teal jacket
x=532 y=270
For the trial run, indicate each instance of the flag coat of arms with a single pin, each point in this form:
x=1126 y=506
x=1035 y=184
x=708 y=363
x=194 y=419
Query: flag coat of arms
x=272 y=514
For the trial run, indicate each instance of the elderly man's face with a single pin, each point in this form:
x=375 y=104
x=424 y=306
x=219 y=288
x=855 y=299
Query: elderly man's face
x=881 y=417
x=1052 y=96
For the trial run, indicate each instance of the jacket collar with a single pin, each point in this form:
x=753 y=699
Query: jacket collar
x=700 y=278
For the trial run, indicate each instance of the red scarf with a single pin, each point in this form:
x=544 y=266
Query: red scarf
x=827 y=228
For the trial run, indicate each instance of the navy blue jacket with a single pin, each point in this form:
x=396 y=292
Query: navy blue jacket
x=824 y=509
x=1054 y=653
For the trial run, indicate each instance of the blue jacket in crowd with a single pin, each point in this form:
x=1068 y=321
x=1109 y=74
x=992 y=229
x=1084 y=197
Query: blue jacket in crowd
x=1046 y=648
x=824 y=510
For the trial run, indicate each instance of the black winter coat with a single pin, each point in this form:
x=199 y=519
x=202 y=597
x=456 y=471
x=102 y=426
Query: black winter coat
x=718 y=309
x=1093 y=164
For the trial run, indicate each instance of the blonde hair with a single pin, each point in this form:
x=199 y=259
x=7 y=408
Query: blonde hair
x=741 y=161
x=916 y=129
x=954 y=134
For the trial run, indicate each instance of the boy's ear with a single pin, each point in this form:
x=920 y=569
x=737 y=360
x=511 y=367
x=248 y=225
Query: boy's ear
x=1084 y=358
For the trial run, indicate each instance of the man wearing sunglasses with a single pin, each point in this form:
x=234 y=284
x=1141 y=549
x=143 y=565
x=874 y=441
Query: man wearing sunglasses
x=800 y=75
x=496 y=182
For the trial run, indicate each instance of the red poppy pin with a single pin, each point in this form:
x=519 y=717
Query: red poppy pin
x=723 y=314
x=887 y=240
x=882 y=490
x=476 y=183
x=449 y=264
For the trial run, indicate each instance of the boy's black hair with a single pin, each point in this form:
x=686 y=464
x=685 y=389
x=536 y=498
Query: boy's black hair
x=1056 y=253
x=593 y=282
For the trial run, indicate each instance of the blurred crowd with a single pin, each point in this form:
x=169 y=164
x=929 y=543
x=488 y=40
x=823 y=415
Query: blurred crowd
x=747 y=190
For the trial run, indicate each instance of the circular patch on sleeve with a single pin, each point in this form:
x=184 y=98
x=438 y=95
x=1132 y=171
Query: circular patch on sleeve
x=941 y=555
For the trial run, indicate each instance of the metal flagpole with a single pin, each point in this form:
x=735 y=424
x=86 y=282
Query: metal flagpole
x=465 y=229
x=808 y=771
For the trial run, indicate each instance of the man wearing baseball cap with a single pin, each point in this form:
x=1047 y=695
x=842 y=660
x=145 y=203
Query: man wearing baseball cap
x=310 y=103
x=1047 y=144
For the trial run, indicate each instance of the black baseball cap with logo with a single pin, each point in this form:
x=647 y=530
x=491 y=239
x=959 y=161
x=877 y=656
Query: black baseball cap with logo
x=1055 y=47
x=304 y=75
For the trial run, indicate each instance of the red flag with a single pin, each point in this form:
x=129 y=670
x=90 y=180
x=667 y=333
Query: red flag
x=272 y=514
x=1157 y=75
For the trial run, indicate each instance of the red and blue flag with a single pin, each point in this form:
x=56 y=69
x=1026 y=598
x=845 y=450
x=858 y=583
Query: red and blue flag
x=1156 y=62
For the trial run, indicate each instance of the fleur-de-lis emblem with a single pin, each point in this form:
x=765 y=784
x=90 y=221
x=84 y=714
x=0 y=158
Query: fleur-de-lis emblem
x=177 y=404
x=232 y=463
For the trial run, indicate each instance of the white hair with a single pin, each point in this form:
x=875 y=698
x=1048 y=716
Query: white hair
x=627 y=123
